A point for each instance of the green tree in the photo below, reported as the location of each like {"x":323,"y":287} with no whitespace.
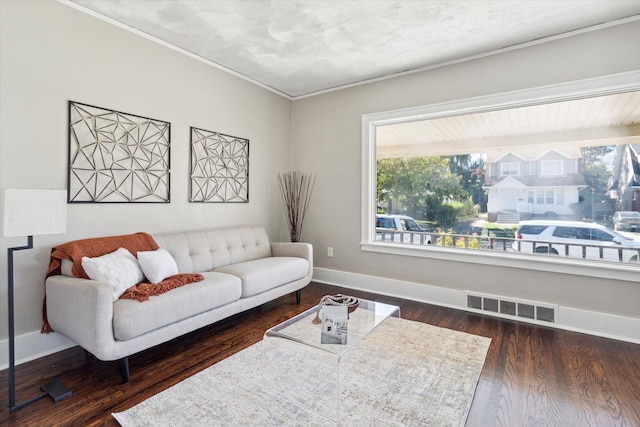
{"x":595,"y":155}
{"x":418,"y":185}
{"x":471,"y":170}
{"x":594,"y":200}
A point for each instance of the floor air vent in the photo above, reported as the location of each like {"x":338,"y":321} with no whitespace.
{"x":514,"y":308}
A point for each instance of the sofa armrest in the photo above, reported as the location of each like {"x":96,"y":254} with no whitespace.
{"x":293,"y":249}
{"x":82,"y":310}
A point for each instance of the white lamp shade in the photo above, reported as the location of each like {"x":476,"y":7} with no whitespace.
{"x":29,"y":212}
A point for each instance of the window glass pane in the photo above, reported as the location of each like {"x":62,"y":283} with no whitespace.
{"x":551,"y":167}
{"x":426,"y":170}
{"x":532,"y":229}
{"x":412,"y":226}
{"x":511,"y":168}
{"x":601,"y":236}
{"x":566,"y":232}
{"x":584,"y":233}
{"x":384,"y":223}
{"x":549,"y":197}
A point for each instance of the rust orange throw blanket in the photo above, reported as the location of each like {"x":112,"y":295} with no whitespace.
{"x":95,"y":247}
{"x":142,"y":291}
{"x":74,"y":251}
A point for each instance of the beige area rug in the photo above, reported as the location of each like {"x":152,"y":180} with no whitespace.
{"x":403,"y":373}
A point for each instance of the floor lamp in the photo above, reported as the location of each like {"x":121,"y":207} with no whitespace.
{"x":29,"y":212}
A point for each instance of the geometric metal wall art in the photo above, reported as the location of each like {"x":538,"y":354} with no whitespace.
{"x":219,"y":167}
{"x":116,"y":157}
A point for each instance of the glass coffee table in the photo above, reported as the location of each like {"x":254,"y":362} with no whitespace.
{"x":364,"y":319}
{"x":300,"y":335}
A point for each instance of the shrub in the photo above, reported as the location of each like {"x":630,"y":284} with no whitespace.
{"x":446,"y":214}
{"x":447,"y":240}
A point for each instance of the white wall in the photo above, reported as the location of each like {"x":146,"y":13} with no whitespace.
{"x":52,"y":53}
{"x":327,"y":140}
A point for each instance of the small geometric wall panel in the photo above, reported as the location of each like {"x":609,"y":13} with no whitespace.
{"x":116,"y":157}
{"x":219,"y":167}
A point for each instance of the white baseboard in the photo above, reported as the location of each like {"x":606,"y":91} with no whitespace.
{"x":33,"y":345}
{"x":568,"y":318}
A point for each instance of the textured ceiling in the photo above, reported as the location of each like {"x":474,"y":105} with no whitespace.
{"x":298,"y":48}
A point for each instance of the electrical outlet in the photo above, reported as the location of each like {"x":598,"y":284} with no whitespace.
{"x":330,"y":252}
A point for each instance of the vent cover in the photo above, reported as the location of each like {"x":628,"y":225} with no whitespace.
{"x":490,"y":304}
{"x":545,"y":313}
{"x":526,"y":310}
{"x":514,"y":308}
{"x":508,"y":307}
{"x":474,"y":302}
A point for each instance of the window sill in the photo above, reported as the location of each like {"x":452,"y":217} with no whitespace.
{"x":603,"y":270}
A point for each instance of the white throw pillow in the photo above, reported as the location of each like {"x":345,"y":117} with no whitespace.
{"x":120,"y":269}
{"x":157,"y":265}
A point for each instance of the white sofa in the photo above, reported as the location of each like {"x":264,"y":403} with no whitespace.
{"x":241,"y":270}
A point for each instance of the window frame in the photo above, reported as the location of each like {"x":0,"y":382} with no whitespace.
{"x":509,"y":167}
{"x":549,"y":197}
{"x":601,"y":86}
{"x":543,"y":163}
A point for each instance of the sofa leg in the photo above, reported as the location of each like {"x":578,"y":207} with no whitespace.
{"x":298,"y":293}
{"x":124,"y":369}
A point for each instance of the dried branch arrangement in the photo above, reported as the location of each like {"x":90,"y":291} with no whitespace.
{"x":296,"y":188}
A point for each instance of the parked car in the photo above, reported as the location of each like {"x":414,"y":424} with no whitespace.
{"x":575,"y":239}
{"x":496,"y":238}
{"x":626,"y":221}
{"x":400,"y":228}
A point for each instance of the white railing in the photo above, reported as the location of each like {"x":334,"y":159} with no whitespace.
{"x":614,"y":252}
{"x":597,"y":251}
{"x":408,"y":237}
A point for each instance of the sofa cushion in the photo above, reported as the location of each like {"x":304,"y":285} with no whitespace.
{"x":267,"y":273}
{"x":132,"y":318}
{"x":198,"y":251}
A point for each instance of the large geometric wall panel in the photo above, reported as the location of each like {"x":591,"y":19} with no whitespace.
{"x":116,"y":157}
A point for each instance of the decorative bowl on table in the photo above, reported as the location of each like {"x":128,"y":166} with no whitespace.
{"x":339,"y":300}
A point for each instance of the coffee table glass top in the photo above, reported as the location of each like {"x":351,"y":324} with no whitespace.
{"x":365,"y":318}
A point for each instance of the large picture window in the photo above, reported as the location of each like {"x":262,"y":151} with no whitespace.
{"x":471,"y":190}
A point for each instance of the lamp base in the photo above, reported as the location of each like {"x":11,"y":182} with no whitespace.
{"x":56,"y":390}
{"x":53,"y":388}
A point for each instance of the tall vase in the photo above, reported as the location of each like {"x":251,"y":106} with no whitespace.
{"x":296,"y":188}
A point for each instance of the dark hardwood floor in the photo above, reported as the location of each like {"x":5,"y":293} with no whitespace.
{"x":533,"y":375}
